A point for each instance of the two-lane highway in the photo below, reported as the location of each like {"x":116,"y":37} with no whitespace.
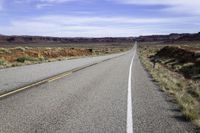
{"x":96,"y":99}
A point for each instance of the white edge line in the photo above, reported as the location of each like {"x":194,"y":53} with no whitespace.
{"x":129,"y":128}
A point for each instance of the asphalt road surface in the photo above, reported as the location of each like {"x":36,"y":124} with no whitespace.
{"x":16,"y":77}
{"x":97,"y":99}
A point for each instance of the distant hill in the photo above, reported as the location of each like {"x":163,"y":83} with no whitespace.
{"x":43,"y":39}
{"x":170,"y":38}
{"x":78,"y":41}
{"x":58,"y":41}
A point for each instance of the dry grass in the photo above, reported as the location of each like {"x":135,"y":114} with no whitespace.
{"x":186,"y":91}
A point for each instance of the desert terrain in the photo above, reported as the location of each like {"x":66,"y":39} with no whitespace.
{"x":18,"y":56}
{"x":176,"y":68}
{"x":164,"y":67}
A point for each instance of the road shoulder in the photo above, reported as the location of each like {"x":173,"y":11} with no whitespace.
{"x":153,"y":110}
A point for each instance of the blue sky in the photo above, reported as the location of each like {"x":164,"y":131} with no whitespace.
{"x":98,"y":18}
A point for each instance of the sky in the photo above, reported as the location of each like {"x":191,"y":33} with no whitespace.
{"x":98,"y":18}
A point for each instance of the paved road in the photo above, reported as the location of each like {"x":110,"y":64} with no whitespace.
{"x":16,"y":77}
{"x":93,"y":100}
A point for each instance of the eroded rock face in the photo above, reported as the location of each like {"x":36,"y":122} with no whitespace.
{"x":183,"y":60}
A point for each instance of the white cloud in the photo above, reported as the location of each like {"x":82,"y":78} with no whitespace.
{"x":1,"y":4}
{"x":153,"y":2}
{"x":62,"y":19}
{"x":56,"y":1}
{"x":44,"y":3}
{"x":87,"y":26}
{"x":180,"y":6}
{"x":47,"y":3}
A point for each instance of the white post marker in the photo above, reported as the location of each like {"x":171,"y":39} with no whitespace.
{"x":129,"y":124}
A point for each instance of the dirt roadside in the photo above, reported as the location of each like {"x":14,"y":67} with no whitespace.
{"x":177,"y":70}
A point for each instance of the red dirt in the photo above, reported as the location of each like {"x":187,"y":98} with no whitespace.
{"x":13,"y":53}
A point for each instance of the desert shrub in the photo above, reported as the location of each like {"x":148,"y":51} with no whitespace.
{"x":25,"y":58}
{"x":27,"y":48}
{"x":90,"y":50}
{"x":41,"y":58}
{"x":20,"y":48}
{"x":198,"y":59}
{"x":190,"y":71}
{"x":2,"y":62}
{"x":4,"y":50}
{"x":187,"y":105}
{"x":48,"y":48}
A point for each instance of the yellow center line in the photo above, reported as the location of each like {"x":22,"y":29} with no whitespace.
{"x":59,"y":77}
{"x":34,"y":84}
{"x":21,"y":89}
{"x":48,"y":80}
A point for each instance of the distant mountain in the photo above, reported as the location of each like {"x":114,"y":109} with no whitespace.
{"x":65,"y":41}
{"x":170,"y":38}
{"x":40,"y":39}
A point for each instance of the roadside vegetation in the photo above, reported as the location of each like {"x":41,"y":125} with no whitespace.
{"x":11,"y":57}
{"x":177,"y":70}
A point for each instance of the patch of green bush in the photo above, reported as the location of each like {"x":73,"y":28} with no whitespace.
{"x":2,"y":62}
{"x":26,"y":58}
